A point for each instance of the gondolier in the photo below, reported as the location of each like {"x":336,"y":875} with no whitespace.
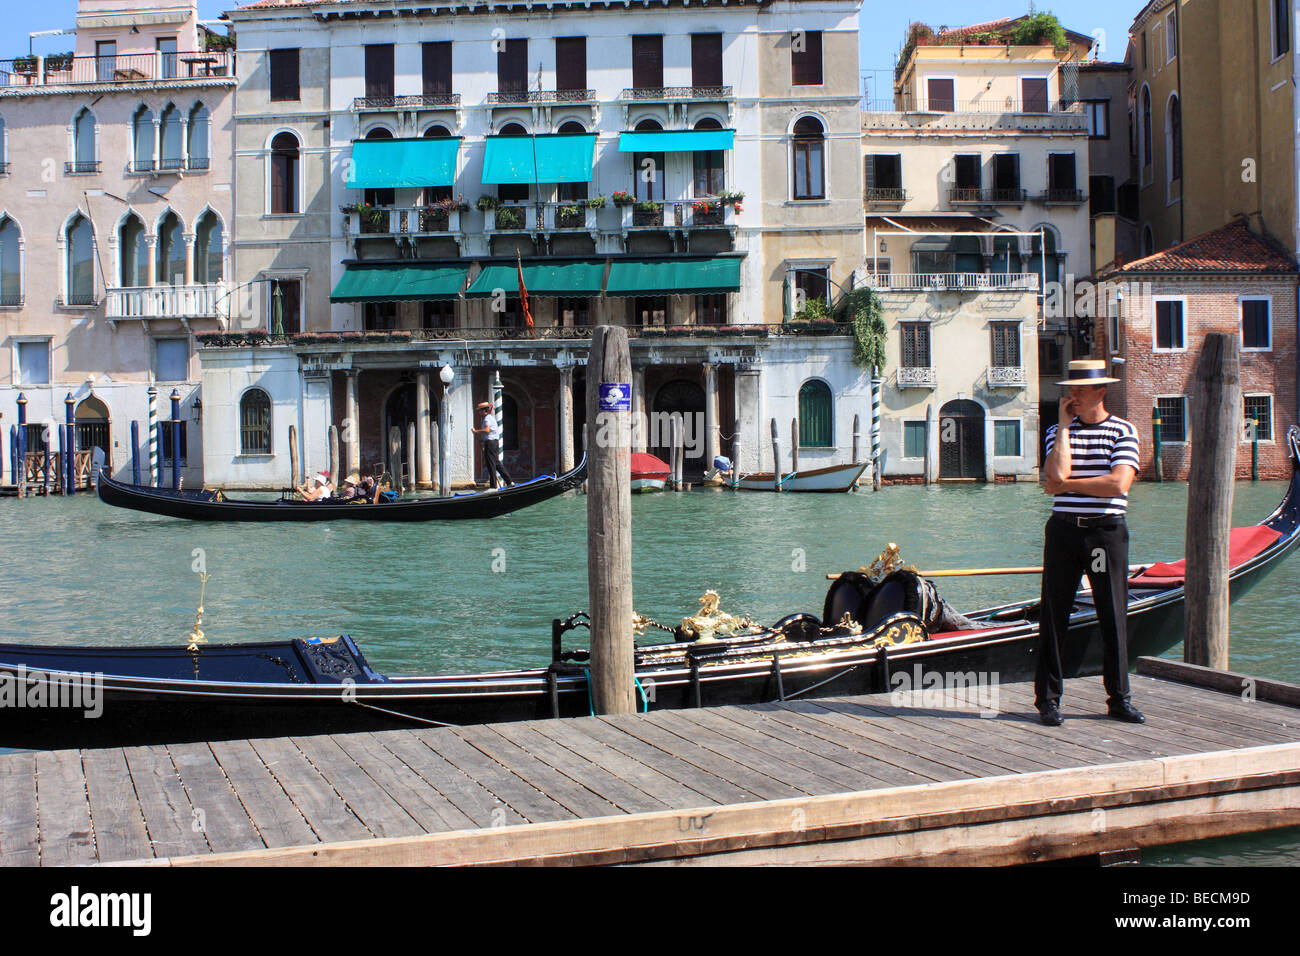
{"x":1092,"y":460}
{"x":491,"y":434}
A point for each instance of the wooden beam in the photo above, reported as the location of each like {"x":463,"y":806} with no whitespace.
{"x":1229,"y":682}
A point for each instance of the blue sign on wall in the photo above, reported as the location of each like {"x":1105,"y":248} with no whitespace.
{"x":615,"y":397}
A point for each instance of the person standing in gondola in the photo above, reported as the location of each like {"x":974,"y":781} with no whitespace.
{"x":491,"y":435}
{"x":1092,"y":461}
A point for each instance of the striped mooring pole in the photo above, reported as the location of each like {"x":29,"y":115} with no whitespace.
{"x":70,"y":416}
{"x":496,"y":413}
{"x":875,"y":429}
{"x":1155,"y":443}
{"x":155,"y":477}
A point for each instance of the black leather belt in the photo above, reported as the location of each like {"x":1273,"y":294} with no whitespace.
{"x":1089,"y":521}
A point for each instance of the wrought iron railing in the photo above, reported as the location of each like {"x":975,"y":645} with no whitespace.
{"x":1007,"y":376}
{"x":889,"y":194}
{"x":955,"y":281}
{"x":662,"y":94}
{"x":82,"y":167}
{"x":418,"y":101}
{"x":994,"y":197}
{"x":1064,"y":196}
{"x":506,"y":97}
{"x":128,"y":68}
{"x":917,"y":377}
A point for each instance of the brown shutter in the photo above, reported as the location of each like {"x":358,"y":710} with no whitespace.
{"x":706,"y":59}
{"x":570,"y":63}
{"x":806,"y":64}
{"x":648,"y":62}
{"x":512,"y":67}
{"x":379,"y":71}
{"x":284,"y":74}
{"x":1033,"y":91}
{"x":437,"y":68}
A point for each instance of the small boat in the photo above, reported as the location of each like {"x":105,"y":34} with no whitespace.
{"x":833,"y":478}
{"x":175,"y":693}
{"x":648,"y":472}
{"x":214,"y":506}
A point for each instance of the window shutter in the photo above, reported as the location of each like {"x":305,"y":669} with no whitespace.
{"x":379,"y":70}
{"x":706,"y":59}
{"x":869,"y":171}
{"x":571,"y":63}
{"x":648,"y":62}
{"x":437,"y":68}
{"x":512,"y":67}
{"x":806,"y":64}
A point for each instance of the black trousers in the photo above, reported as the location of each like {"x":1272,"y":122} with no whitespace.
{"x":494,"y":464}
{"x":1069,"y":552}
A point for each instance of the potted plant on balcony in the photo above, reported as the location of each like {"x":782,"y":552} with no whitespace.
{"x":706,"y":211}
{"x":58,"y":63}
{"x":435,"y":216}
{"x":622,"y":198}
{"x":647,"y":213}
{"x":1040,"y":29}
{"x":510,"y":217}
{"x":487,"y":203}
{"x":570,"y":217}
{"x":595,"y":202}
{"x":24,"y":64}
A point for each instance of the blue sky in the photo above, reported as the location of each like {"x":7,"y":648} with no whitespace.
{"x":882,"y":22}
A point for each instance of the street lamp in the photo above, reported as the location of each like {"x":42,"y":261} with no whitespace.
{"x":446,"y":374}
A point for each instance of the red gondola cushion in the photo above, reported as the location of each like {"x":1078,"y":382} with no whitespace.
{"x":1243,"y":544}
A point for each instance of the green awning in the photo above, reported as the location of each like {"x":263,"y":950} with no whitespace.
{"x":676,"y":140}
{"x":673,"y":276}
{"x":576,"y":279}
{"x":548,"y":158}
{"x":399,"y":282}
{"x":399,"y":163}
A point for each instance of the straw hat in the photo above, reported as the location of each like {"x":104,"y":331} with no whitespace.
{"x":483,"y":405}
{"x":1088,"y":372}
{"x":352,"y":479}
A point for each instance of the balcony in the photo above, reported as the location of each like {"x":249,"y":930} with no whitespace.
{"x":1007,"y":377}
{"x":965,"y":196}
{"x":904,"y":114}
{"x":82,"y":167}
{"x":954,"y":282}
{"x":180,"y":302}
{"x":917,"y":378}
{"x":884,"y":196}
{"x":515,"y":218}
{"x":677,"y":99}
{"x":420,"y":101}
{"x":403,"y":221}
{"x":126,"y":69}
{"x":1063,"y":197}
{"x":539,"y":97}
{"x":678,"y":214}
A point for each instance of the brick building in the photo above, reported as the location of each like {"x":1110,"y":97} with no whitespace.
{"x":1231,"y":279}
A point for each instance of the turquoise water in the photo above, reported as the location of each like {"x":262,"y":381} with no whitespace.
{"x":481,"y":595}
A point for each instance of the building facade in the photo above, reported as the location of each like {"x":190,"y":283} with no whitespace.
{"x":400,"y":166}
{"x":115,"y":209}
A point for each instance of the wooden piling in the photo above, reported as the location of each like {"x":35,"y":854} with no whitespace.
{"x":794,"y":444}
{"x":776,"y":459}
{"x":293,"y":456}
{"x":395,"y":457}
{"x":609,"y":527}
{"x":1216,"y":428}
{"x":334,"y":455}
{"x":857,"y":436}
{"x":411,"y":471}
{"x":135,"y":452}
{"x":735,"y":453}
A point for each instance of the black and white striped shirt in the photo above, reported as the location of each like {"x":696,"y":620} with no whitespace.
{"x":1094,"y":451}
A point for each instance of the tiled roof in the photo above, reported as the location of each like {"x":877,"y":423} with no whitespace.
{"x":988,"y":27}
{"x":1230,"y":248}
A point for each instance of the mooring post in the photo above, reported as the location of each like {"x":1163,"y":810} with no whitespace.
{"x":411,"y":453}
{"x":135,"y":453}
{"x":1216,"y":428}
{"x":857,"y":436}
{"x":776,"y":459}
{"x":68,"y":403}
{"x":20,"y":472}
{"x":293,"y":457}
{"x":334,"y":454}
{"x":875,"y":429}
{"x":47,"y":461}
{"x":794,"y":445}
{"x":155,"y":476}
{"x":609,"y":521}
{"x":176,"y":439}
{"x":735,"y":453}
{"x":674,"y":437}
{"x":395,"y":457}
{"x":1158,"y":456}
{"x":1254,"y":449}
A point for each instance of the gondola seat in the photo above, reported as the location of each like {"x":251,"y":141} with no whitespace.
{"x":1243,"y":544}
{"x":868,"y":604}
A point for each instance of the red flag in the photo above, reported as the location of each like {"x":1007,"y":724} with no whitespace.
{"x":523,"y":295}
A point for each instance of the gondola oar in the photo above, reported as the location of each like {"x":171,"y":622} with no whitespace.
{"x":983,"y":572}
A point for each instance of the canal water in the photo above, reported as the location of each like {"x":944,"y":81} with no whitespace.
{"x":429,"y":598}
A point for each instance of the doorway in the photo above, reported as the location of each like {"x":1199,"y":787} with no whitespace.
{"x":961,"y":441}
{"x":684,"y":397}
{"x":399,"y":413}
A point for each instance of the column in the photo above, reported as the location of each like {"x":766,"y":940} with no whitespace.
{"x":157,"y":140}
{"x":566,"y":419}
{"x":185,"y":142}
{"x":710,"y":414}
{"x":352,"y":423}
{"x":151,"y":267}
{"x":753,"y":436}
{"x":640,"y":424}
{"x":189,"y":259}
{"x":423,"y":447}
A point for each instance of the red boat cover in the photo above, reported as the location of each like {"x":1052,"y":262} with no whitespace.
{"x":648,"y":466}
{"x":1243,"y":544}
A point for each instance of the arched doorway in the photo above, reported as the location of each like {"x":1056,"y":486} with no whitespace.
{"x":399,"y":413}
{"x":92,"y":425}
{"x":684,"y":397}
{"x":961,"y":440}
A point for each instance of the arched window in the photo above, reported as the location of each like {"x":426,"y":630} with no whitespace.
{"x":142,"y":140}
{"x":85,"y":153}
{"x":199,"y":135}
{"x":208,"y":242}
{"x":433,"y":194}
{"x":255,"y":423}
{"x":1174,"y":142}
{"x":1045,"y":261}
{"x":1148,"y":242}
{"x":809,"y":159}
{"x":815,"y":415}
{"x":285,"y":163}
{"x":435,"y":131}
{"x":133,"y":252}
{"x":11,"y":263}
{"x":172,"y":157}
{"x":648,"y":168}
{"x":1146,"y":127}
{"x":571,"y":192}
{"x":1006,"y":255}
{"x":379,"y":197}
{"x":512,"y":192}
{"x":80,"y":277}
{"x":171,"y":251}
{"x":709,"y":177}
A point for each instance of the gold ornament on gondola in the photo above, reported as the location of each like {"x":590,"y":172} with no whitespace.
{"x":711,"y":623}
{"x":890,"y":560}
{"x":196,"y":635}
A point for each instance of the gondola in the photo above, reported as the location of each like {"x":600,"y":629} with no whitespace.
{"x":214,"y":506}
{"x":210,"y":692}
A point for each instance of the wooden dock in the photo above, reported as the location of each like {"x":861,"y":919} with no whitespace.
{"x":841,"y":780}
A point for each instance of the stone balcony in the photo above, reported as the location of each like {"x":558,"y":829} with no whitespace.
{"x":1007,"y":377}
{"x":953,"y":282}
{"x":403,"y":222}
{"x":916,"y":377}
{"x":973,"y":116}
{"x":178,"y":302}
{"x":134,"y":68}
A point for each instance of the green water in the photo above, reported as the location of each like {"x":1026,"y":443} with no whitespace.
{"x":481,"y":595}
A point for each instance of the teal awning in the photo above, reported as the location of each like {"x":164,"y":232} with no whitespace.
{"x":398,"y":163}
{"x":576,"y":279}
{"x":676,"y":140}
{"x":547,"y":158}
{"x":673,"y":276}
{"x":395,"y":282}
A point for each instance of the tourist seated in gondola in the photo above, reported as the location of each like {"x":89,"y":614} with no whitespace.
{"x":320,"y":489}
{"x":351,"y":490}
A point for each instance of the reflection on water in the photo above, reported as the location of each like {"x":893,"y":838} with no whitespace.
{"x":426,"y":597}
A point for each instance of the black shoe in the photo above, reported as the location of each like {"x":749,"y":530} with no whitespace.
{"x":1126,"y":712}
{"x":1051,"y":716}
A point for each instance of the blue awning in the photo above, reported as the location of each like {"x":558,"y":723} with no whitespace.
{"x":676,"y":140}
{"x":399,"y":163}
{"x":547,"y":158}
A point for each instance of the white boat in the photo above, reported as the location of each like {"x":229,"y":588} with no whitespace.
{"x":648,"y":473}
{"x":833,"y":478}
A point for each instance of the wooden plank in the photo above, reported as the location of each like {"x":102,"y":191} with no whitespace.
{"x":220,"y":815}
{"x":647,"y":779}
{"x":1250,"y":715}
{"x":62,"y":810}
{"x":431,"y":810}
{"x":19,"y":840}
{"x":370,"y":803}
{"x":273,"y":814}
{"x":115,"y":813}
{"x":324,"y":810}
{"x":511,"y":789}
{"x":471,"y":798}
{"x":1228,"y":682}
{"x":169,"y":816}
{"x":577,"y":798}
